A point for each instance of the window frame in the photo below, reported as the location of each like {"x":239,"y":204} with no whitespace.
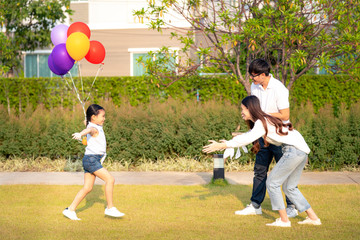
{"x":133,"y":51}
{"x":38,"y":53}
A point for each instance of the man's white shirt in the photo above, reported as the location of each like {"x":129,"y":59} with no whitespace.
{"x":272,"y":99}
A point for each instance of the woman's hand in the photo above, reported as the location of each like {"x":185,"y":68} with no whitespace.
{"x":214,"y":146}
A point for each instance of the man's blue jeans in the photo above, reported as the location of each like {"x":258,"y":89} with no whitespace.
{"x":262,"y":163}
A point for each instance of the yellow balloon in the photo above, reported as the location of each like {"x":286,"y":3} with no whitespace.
{"x":77,"y":45}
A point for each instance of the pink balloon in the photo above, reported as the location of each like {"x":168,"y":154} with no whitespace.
{"x":59,"y":34}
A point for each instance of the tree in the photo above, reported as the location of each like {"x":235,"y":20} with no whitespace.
{"x":295,"y":36}
{"x":25,"y":26}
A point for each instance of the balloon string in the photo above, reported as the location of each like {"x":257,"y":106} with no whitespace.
{"x":66,"y":82}
{"x":78,"y":95}
{"x":97,"y":73}
{"x":81,"y":80}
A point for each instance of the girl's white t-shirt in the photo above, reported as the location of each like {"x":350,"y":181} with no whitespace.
{"x":96,"y":145}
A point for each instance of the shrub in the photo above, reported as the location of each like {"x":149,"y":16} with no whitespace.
{"x":173,"y":129}
{"x":334,"y":141}
{"x":19,"y":93}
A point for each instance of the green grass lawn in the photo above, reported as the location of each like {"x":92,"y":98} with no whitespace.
{"x":171,"y":212}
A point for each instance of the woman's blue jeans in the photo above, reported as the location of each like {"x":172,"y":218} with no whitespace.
{"x":287,"y":173}
{"x":262,"y":162}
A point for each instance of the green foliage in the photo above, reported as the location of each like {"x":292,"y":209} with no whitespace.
{"x":325,"y":89}
{"x":161,"y":130}
{"x":23,"y":92}
{"x":38,"y":133}
{"x":173,"y":129}
{"x":20,"y":93}
{"x":334,"y":141}
{"x":27,"y":26}
{"x":7,"y":55}
{"x":219,"y":182}
{"x":168,"y":129}
{"x":225,"y":36}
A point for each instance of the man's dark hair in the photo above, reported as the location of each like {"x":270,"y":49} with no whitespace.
{"x":259,"y":66}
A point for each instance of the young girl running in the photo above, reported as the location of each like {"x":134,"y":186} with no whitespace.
{"x":287,"y":171}
{"x":95,"y":153}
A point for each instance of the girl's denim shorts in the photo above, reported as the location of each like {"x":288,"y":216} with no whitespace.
{"x":91,"y":163}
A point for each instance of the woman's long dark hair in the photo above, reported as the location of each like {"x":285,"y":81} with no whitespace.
{"x":93,"y":109}
{"x":252,"y":103}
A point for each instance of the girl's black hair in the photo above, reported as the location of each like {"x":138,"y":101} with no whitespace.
{"x":259,"y":66}
{"x":252,"y":103}
{"x":93,"y":109}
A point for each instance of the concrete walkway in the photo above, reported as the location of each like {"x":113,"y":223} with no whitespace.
{"x":168,"y":178}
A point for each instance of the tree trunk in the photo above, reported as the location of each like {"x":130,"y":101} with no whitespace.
{"x":247,"y":86}
{"x":7,"y":98}
{"x":20,"y":106}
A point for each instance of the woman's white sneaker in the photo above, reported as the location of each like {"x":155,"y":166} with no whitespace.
{"x":70,"y":214}
{"x":249,"y":210}
{"x":113,"y":212}
{"x":279,"y":223}
{"x":310,"y":221}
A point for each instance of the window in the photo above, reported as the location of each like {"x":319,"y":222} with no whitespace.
{"x":138,"y":69}
{"x":36,"y":65}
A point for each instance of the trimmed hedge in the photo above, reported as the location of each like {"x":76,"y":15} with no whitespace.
{"x":22,"y":92}
{"x":326,"y":89}
{"x":173,"y":129}
{"x":51,"y":93}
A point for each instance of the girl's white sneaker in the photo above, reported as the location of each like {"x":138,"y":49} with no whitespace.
{"x":279,"y":223}
{"x":311,"y":222}
{"x":113,"y":212}
{"x":70,"y":214}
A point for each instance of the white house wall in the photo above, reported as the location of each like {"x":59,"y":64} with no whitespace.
{"x":118,"y":14}
{"x":111,"y":22}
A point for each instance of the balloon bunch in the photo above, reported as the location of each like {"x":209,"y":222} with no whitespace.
{"x":73,"y":44}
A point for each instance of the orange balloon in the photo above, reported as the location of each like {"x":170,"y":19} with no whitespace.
{"x":77,"y":45}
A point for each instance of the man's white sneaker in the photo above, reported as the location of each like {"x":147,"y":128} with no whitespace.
{"x":291,"y":212}
{"x":249,"y":210}
{"x":113,"y":212}
{"x":311,"y":222}
{"x":279,"y":223}
{"x":70,"y":214}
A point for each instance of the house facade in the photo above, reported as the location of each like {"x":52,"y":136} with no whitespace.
{"x":124,"y":37}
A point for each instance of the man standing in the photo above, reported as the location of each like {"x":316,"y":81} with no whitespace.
{"x":274,"y":100}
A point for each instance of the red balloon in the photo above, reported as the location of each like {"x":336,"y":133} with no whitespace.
{"x":96,"y":53}
{"x":79,"y":27}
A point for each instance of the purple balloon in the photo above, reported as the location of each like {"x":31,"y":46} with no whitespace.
{"x":53,"y":68}
{"x":61,"y":59}
{"x":59,"y":34}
